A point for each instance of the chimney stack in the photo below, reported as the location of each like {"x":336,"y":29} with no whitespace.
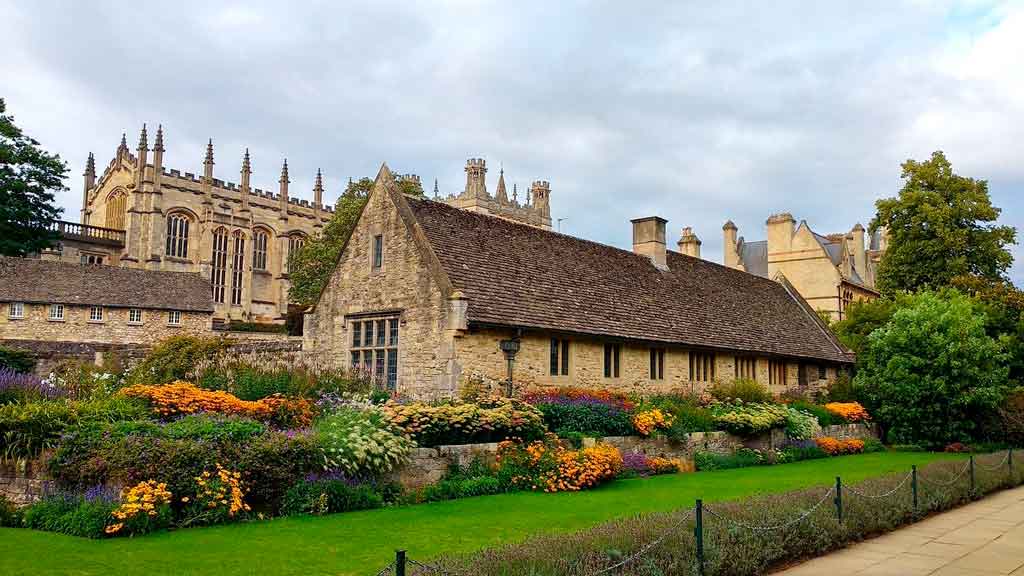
{"x":689,"y":244}
{"x":780,"y":232}
{"x":731,"y":257}
{"x":860,"y":258}
{"x":649,"y":240}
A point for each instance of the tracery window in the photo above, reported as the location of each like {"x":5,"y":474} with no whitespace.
{"x":237,"y":266}
{"x":259,"y":249}
{"x":117,"y":205}
{"x":294,"y":245}
{"x":220,"y":263}
{"x":177,"y":236}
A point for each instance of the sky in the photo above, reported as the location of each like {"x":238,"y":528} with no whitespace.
{"x":694,"y":113}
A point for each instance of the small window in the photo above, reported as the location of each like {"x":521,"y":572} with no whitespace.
{"x":56,"y":311}
{"x":91,"y":258}
{"x":378,"y":251}
{"x":174,"y":317}
{"x":801,"y":374}
{"x":777,"y":372}
{"x":16,"y":310}
{"x":657,"y":363}
{"x":702,"y":367}
{"x":612,"y":353}
{"x":96,"y":314}
{"x":135,"y":316}
{"x":559,"y":357}
{"x":746,"y":368}
{"x":822,"y":372}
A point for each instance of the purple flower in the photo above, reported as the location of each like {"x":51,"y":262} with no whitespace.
{"x":16,"y":385}
{"x":635,"y":461}
{"x":101,"y":493}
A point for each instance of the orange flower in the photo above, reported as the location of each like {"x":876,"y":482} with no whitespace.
{"x":849,"y":411}
{"x":179,"y":398}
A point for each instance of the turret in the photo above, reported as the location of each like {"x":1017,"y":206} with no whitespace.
{"x":208,"y":174}
{"x":476,"y":178}
{"x":283,"y":181}
{"x":318,"y":192}
{"x":89,"y":180}
{"x":246,"y":173}
{"x":541,"y":193}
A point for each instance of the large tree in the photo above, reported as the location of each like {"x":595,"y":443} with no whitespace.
{"x":29,"y":176}
{"x":940,"y":226}
{"x":310,"y":268}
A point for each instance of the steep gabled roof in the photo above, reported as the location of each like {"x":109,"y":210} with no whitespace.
{"x":521,"y":276}
{"x":754,"y":256}
{"x":46,"y":282}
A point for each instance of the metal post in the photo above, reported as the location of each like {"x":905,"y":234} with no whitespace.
{"x":972,"y":475}
{"x":399,"y":562}
{"x":839,"y":499}
{"x":698,"y":534}
{"x":913,"y":484}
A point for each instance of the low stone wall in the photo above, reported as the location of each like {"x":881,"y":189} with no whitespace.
{"x":23,"y":482}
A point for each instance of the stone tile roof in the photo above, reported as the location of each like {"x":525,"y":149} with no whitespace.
{"x":42,"y":281}
{"x":518,"y":275}
{"x":754,"y":256}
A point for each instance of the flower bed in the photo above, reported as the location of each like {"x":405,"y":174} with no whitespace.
{"x":178,"y":398}
{"x":544,"y":465}
{"x":488,"y":420}
{"x":848,"y":411}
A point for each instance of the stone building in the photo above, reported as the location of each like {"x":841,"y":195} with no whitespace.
{"x":425,"y":295}
{"x":139,"y":214}
{"x":829,"y":271}
{"x":534,"y":210}
{"x":69,"y":302}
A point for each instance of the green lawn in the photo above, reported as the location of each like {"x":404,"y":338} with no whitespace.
{"x":363,"y":542}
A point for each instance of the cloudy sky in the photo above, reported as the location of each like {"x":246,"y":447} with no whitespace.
{"x":695,"y":114}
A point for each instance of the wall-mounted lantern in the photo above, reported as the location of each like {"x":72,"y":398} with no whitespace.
{"x":510,"y":348}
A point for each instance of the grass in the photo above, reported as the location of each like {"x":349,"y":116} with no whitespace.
{"x":363,"y":542}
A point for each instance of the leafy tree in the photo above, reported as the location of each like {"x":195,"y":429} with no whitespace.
{"x":939,"y":228}
{"x":1003,"y":304}
{"x":931,"y":374}
{"x":311,"y":267}
{"x":28,"y":177}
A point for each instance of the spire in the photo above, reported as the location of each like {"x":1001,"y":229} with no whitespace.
{"x":436,"y":194}
{"x":246,"y":171}
{"x":283,"y":215}
{"x":284,"y":173}
{"x":122,"y":149}
{"x":515,"y":193}
{"x":209,"y":153}
{"x":90,"y":166}
{"x":501,"y":194}
{"x":143,"y":139}
{"x":246,"y":166}
{"x":158,"y":145}
{"x":318,"y":190}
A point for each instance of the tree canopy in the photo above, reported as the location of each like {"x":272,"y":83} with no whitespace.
{"x":28,"y":178}
{"x":940,"y":226}
{"x":311,"y":267}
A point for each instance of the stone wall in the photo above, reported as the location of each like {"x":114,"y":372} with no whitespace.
{"x":114,"y":328}
{"x":22,"y":483}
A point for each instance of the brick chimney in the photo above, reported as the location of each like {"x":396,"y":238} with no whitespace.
{"x":649,"y":240}
{"x":689,"y":244}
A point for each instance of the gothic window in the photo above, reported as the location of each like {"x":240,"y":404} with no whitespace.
{"x":294,"y":245}
{"x":746,"y":367}
{"x":237,"y":266}
{"x":177,"y":236}
{"x":260,"y":239}
{"x":612,"y":354}
{"x":220,"y":264}
{"x":702,"y":367}
{"x":374,"y":351}
{"x":117,"y":205}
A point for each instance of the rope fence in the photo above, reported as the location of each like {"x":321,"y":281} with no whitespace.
{"x":405,"y":566}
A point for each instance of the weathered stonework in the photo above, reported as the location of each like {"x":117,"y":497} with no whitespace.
{"x":23,"y":482}
{"x":115,"y":327}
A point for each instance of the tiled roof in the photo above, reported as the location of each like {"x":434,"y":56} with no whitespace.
{"x":44,"y":281}
{"x":518,"y":275}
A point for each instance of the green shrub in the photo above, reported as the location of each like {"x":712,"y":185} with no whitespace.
{"x":873,"y":445}
{"x":454,"y":488}
{"x":749,"y":419}
{"x":17,"y":360}
{"x":588,"y":419}
{"x":798,"y":452}
{"x":28,"y":429}
{"x":742,"y":458}
{"x":688,"y":415}
{"x":362,"y":442}
{"x":70,"y":514}
{"x":10,"y":514}
{"x":215,"y":427}
{"x":487,"y":420}
{"x":931,"y":374}
{"x":330,"y":494}
{"x":175,"y":357}
{"x":273,"y":462}
{"x":825,"y":418}
{"x":264,"y":327}
{"x":744,"y":389}
{"x":801,"y":425}
{"x":842,"y":389}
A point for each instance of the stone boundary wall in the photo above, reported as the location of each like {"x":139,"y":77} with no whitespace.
{"x":49,"y":354}
{"x":23,"y":482}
